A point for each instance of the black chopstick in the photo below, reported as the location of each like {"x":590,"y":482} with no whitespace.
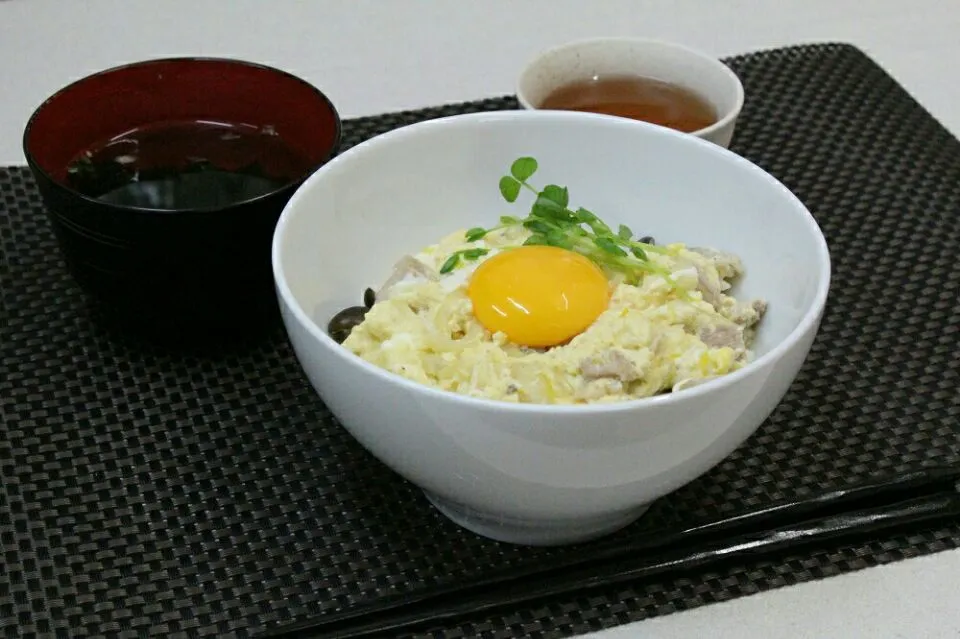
{"x":922,"y":497}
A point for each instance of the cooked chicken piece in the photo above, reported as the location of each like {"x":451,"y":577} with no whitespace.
{"x":727,"y":264}
{"x":747,"y":314}
{"x":407,"y":268}
{"x":710,"y":286}
{"x":612,"y":363}
{"x":724,"y":335}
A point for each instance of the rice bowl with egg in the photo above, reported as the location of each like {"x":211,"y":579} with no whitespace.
{"x":506,"y":314}
{"x":536,"y":473}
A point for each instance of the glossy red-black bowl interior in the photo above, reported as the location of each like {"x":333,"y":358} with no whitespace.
{"x":185,"y":270}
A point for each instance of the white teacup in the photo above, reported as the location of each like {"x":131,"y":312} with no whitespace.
{"x":584,"y":60}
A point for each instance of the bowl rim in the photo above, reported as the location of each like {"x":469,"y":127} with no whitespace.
{"x":324,"y":99}
{"x":722,"y":69}
{"x":809,"y":320}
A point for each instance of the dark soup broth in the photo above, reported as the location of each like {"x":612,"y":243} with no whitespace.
{"x":196,"y":164}
{"x":638,"y":98}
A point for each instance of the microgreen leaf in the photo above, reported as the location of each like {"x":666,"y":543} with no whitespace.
{"x":583,"y":215}
{"x":523,"y":168}
{"x":638,"y":253}
{"x":624,"y":232}
{"x":558,"y":194}
{"x":599,"y":227}
{"x":509,"y":220}
{"x":450,"y":264}
{"x":608,"y":245}
{"x":557,"y":238}
{"x":539,"y":226}
{"x":535,"y":240}
{"x":546,"y":208}
{"x":475,"y":234}
{"x":473,"y":254}
{"x":509,"y":188}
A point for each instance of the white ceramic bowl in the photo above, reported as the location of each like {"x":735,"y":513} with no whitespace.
{"x":583,"y":60}
{"x":538,"y":474}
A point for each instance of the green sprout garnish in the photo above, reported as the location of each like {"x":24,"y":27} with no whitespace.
{"x":470,"y":255}
{"x":552,"y":223}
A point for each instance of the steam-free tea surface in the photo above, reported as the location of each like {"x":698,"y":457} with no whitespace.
{"x":638,"y":98}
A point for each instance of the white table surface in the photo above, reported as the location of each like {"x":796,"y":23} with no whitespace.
{"x":372,"y":56}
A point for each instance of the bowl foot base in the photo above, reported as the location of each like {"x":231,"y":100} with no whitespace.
{"x":534,"y":532}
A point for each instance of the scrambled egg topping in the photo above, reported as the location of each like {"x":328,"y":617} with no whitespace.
{"x":649,"y":340}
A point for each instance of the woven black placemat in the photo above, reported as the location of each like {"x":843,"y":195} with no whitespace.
{"x":146,"y":493}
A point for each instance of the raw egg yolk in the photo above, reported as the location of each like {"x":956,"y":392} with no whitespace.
{"x":538,"y":295}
